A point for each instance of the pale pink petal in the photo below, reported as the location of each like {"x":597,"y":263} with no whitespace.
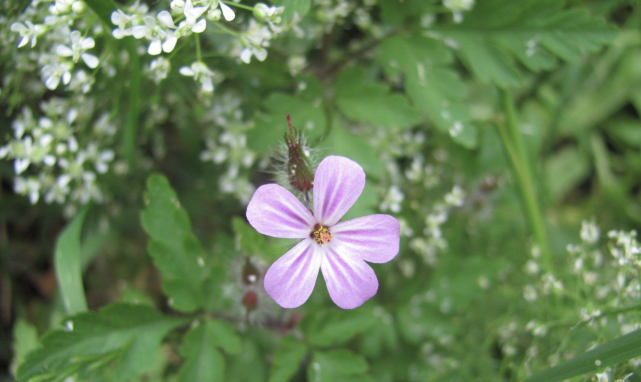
{"x":337,"y":184}
{"x":290,"y":280}
{"x":373,"y":238}
{"x":350,"y":281}
{"x":274,"y":211}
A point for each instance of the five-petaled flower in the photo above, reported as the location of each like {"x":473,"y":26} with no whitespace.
{"x":338,"y":249}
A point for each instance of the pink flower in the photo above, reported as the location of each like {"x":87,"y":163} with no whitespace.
{"x":339,"y":250}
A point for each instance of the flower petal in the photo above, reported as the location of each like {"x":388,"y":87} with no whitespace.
{"x":339,"y":181}
{"x":373,"y":238}
{"x":274,"y":211}
{"x":290,"y":280}
{"x":350,"y":281}
{"x":228,"y":13}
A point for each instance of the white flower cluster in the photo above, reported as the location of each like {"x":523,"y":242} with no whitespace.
{"x":163,"y":33}
{"x":433,"y":241}
{"x":161,"y":30}
{"x":48,"y":159}
{"x":62,"y":47}
{"x":229,"y":146}
{"x":626,"y":251}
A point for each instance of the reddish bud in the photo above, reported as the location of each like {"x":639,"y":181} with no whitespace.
{"x":301,"y":177}
{"x":250,"y":301}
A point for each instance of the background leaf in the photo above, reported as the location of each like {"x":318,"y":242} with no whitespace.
{"x":287,"y":359}
{"x":68,"y":267}
{"x":434,"y":88}
{"x":336,"y":365}
{"x":614,"y":352}
{"x":174,"y":249}
{"x":134,"y":331}
{"x":364,"y":100}
{"x":533,"y":31}
{"x":203,"y":360}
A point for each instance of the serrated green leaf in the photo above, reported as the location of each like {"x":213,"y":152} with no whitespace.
{"x":335,"y":365}
{"x":89,"y":338}
{"x":68,"y":268}
{"x":336,"y":328}
{"x":372,"y":102}
{"x":564,"y":170}
{"x":611,"y":353}
{"x":433,"y":87}
{"x":203,"y":361}
{"x":271,"y":125}
{"x":175,"y":250}
{"x":533,"y":31}
{"x":294,"y":8}
{"x":287,"y":359}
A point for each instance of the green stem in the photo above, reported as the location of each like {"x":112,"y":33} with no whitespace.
{"x":198,"y":55}
{"x":227,"y":30}
{"x":237,"y":5}
{"x":515,"y":150}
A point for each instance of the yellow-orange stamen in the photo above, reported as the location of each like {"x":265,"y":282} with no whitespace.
{"x":321,"y":234}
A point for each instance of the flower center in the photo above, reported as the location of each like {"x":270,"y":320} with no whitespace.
{"x":321,"y":234}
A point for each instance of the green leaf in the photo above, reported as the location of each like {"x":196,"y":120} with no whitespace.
{"x":203,"y":360}
{"x":67,"y":265}
{"x":434,"y":88}
{"x":336,"y":328}
{"x":225,"y":336}
{"x":133,"y":332}
{"x":271,"y":125}
{"x":609,"y":354}
{"x":293,"y":8}
{"x":174,"y":249}
{"x":238,"y":365}
{"x":533,"y":31}
{"x":342,"y":142}
{"x":565,"y":170}
{"x":335,"y":365}
{"x":287,"y":359}
{"x":366,"y":101}
{"x":253,"y":243}
{"x":25,"y":339}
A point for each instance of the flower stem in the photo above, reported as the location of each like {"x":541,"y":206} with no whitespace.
{"x":238,"y":5}
{"x":513,"y":144}
{"x":198,"y":55}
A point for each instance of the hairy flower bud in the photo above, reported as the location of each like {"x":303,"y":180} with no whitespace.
{"x":301,"y":176}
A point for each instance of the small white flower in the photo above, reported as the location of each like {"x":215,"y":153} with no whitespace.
{"x":152,"y":31}
{"x":201,"y":73}
{"x":122,"y":20}
{"x":77,"y":50}
{"x":158,"y":69}
{"x":30,"y":186}
{"x":54,"y":72}
{"x":28,"y":31}
{"x":255,"y":40}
